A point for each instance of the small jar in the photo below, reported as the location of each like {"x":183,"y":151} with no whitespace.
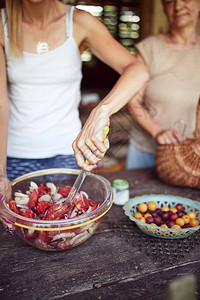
{"x":120,"y":189}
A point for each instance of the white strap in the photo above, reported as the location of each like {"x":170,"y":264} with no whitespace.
{"x":69,"y":20}
{"x":5,"y":24}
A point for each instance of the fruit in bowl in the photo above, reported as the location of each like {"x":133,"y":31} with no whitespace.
{"x":164,"y":216}
{"x":173,"y":217}
{"x":37,"y":212}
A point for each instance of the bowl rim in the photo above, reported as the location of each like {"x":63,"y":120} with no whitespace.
{"x":132,"y":218}
{"x":79,"y":221}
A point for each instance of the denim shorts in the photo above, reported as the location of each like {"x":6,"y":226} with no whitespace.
{"x":20,"y":166}
{"x":137,"y":159}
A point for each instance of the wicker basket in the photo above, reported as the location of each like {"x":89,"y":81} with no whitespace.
{"x":179,"y":164}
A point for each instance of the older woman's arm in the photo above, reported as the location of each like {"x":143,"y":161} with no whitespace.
{"x":141,"y":116}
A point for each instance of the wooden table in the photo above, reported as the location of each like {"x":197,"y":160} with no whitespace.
{"x":117,"y":262}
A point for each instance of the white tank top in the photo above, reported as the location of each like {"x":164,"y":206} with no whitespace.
{"x":44,"y":94}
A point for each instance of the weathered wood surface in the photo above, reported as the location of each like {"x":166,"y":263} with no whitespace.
{"x":117,"y":262}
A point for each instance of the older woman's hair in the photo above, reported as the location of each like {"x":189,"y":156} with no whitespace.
{"x":15,"y":10}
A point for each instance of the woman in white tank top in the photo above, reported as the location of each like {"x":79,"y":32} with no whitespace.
{"x":41,"y":76}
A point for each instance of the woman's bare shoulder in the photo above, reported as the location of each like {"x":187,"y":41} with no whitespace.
{"x":84,"y":18}
{"x":84,"y":23}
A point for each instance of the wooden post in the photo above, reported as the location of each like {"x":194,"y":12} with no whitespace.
{"x":146,"y":10}
{"x":2,"y":3}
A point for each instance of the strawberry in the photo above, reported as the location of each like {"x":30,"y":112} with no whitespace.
{"x":27,"y":213}
{"x":42,"y":206}
{"x":13,"y":206}
{"x":33,"y":199}
{"x":65,"y":191}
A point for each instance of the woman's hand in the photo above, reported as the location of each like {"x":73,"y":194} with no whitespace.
{"x":169,"y":136}
{"x":88,"y":144}
{"x":5,"y":189}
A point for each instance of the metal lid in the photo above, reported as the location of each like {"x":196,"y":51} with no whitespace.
{"x":120,"y":184}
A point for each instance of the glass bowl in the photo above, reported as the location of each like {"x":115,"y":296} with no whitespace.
{"x":131,"y":207}
{"x":57,"y":235}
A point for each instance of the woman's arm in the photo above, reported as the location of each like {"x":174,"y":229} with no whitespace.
{"x":133,"y":76}
{"x":4,"y":114}
{"x":141,"y":116}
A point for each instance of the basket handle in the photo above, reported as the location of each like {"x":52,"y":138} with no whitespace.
{"x":197,"y":130}
{"x":183,"y":124}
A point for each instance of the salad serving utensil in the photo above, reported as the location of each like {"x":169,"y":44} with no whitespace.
{"x":80,"y":178}
{"x":77,"y":185}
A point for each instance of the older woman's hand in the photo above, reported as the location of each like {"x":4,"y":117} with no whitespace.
{"x":88,"y":144}
{"x":169,"y":136}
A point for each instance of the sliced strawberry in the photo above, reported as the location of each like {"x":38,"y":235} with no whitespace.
{"x":43,"y":190}
{"x":85,"y":200}
{"x":42,"y":206}
{"x":65,"y":191}
{"x":45,"y":237}
{"x":13,"y":206}
{"x":33,"y":199}
{"x":31,"y":234}
{"x":51,"y":211}
{"x":79,"y":203}
{"x":93,"y":204}
{"x":82,"y":203}
{"x":27,"y":213}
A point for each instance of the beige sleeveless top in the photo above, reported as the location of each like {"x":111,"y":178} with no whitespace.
{"x":173,"y":91}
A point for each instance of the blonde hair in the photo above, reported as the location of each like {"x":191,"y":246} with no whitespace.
{"x":14,"y":11}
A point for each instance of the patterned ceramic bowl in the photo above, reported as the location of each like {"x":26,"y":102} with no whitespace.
{"x":131,"y":207}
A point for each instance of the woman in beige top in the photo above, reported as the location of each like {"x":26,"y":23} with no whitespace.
{"x":164,"y":111}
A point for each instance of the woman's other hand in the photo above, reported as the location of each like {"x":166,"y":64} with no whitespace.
{"x":169,"y":136}
{"x":88,"y":144}
{"x":5,"y":189}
